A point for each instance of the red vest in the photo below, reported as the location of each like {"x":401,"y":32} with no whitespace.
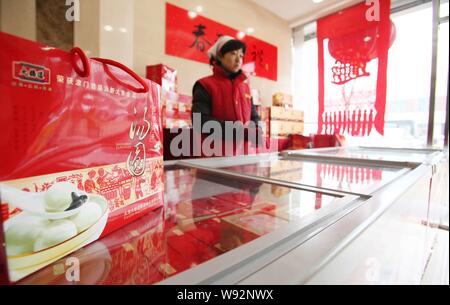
{"x":230,"y":99}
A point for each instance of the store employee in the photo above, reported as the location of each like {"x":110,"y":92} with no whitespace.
{"x":225,"y":95}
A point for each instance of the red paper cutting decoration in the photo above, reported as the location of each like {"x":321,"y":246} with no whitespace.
{"x":353,"y":55}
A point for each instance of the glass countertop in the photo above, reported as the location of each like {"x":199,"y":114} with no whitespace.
{"x":204,"y":216}
{"x":335,"y":176}
{"x":370,"y":153}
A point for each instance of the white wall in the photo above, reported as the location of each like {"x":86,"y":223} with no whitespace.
{"x":18,"y":18}
{"x":149,"y":41}
{"x":136,"y":35}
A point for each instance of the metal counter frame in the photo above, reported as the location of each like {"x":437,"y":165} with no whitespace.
{"x":297,"y":251}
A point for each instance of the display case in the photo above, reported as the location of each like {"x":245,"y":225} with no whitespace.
{"x":291,"y":218}
{"x":329,"y":174}
{"x":407,"y":157}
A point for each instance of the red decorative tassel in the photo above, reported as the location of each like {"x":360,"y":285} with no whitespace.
{"x":336,"y":123}
{"x":359,"y":122}
{"x":347,"y":122}
{"x":353,"y":122}
{"x":331,"y":123}
{"x":364,"y":123}
{"x":370,"y":123}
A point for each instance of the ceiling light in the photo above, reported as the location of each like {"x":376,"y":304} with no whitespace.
{"x":192,"y":14}
{"x":317,"y":1}
{"x":123,"y":30}
{"x":250,"y":30}
{"x":108,"y":28}
{"x":240,"y":35}
{"x":199,"y":9}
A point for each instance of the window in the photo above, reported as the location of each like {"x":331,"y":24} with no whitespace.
{"x":441,"y":79}
{"x":408,"y":84}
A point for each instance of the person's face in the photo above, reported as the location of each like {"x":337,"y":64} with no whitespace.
{"x":232,"y":61}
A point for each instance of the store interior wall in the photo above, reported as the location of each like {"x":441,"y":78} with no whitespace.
{"x":52,"y":26}
{"x":18,"y":18}
{"x":133,"y":32}
{"x":149,"y":42}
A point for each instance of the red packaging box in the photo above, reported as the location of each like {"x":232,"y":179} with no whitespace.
{"x":81,"y":152}
{"x":185,"y":99}
{"x":163,"y":75}
{"x":207,"y":231}
{"x":186,"y":251}
{"x":242,"y":228}
{"x":217,"y":206}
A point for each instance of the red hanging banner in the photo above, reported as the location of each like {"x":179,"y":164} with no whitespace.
{"x":190,"y":36}
{"x":353,"y":47}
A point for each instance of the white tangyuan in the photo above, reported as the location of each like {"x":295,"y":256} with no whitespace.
{"x":59,"y":196}
{"x":21,"y":236}
{"x":56,"y":232}
{"x":88,"y":215}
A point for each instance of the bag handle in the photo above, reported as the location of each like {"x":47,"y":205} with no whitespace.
{"x":116,"y":64}
{"x":84,"y":60}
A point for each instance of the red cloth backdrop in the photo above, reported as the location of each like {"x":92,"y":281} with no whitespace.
{"x":353,"y":57}
{"x":191,"y":38}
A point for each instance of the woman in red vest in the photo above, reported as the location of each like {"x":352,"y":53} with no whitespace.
{"x":225,"y":96}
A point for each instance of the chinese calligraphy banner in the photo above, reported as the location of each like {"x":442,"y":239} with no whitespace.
{"x":353,"y":50}
{"x":191,"y":37}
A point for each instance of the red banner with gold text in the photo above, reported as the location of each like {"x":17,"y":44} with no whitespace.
{"x":190,"y":36}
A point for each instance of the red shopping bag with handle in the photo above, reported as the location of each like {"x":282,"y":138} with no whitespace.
{"x":80,"y":150}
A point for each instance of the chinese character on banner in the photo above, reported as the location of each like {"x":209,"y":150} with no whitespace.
{"x":352,"y":64}
{"x":200,"y":42}
{"x":191,"y":37}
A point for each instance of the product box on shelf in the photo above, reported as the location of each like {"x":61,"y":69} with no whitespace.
{"x":282,"y":99}
{"x":176,"y":110}
{"x":164,"y":76}
{"x":286,"y":114}
{"x":81,"y":152}
{"x":285,"y":128}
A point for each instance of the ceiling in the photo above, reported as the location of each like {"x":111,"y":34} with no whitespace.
{"x":298,"y":12}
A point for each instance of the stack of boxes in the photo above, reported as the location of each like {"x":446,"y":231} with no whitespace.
{"x":280,"y":121}
{"x":285,"y":121}
{"x":176,"y":108}
{"x":282,"y":100}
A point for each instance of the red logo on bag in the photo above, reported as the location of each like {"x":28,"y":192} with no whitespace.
{"x":31,"y":73}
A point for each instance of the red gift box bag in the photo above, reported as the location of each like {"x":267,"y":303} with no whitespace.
{"x":80,"y":149}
